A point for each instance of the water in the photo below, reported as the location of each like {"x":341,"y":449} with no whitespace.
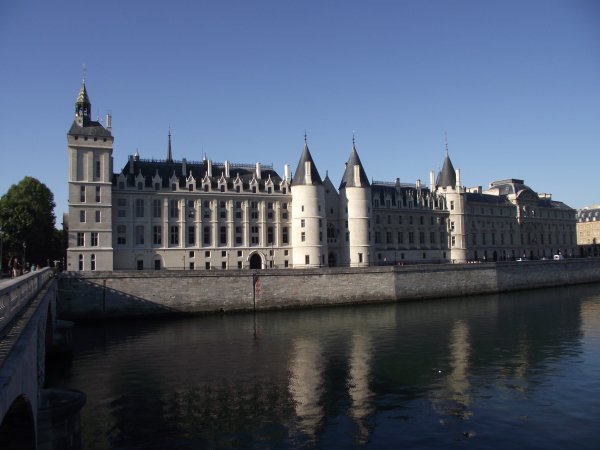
{"x":519,"y":370}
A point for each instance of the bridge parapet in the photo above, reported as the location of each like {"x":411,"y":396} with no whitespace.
{"x":17,"y":292}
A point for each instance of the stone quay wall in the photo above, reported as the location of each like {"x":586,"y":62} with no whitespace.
{"x":90,"y":295}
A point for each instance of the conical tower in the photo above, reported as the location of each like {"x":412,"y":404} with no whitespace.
{"x":355,"y":210}
{"x":308,"y":214}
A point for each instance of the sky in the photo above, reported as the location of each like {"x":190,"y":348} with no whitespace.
{"x":513,"y":86}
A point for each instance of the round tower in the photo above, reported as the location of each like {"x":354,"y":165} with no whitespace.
{"x":355,"y":210}
{"x":308,"y":214}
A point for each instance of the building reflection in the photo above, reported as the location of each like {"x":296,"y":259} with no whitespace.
{"x":358,"y":387}
{"x":306,"y":383}
{"x":458,"y":379}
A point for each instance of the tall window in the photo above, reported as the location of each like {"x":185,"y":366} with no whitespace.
{"x":174,"y":235}
{"x":139,"y":207}
{"x":307,"y":259}
{"x":80,"y":262}
{"x":97,"y":216}
{"x":223,"y":235}
{"x":269,"y":235}
{"x":191,"y":235}
{"x":94,"y":239}
{"x":174,"y":209}
{"x":98,"y":167}
{"x":157,"y":235}
{"x":121,"y":234}
{"x":80,"y":239}
{"x":93,"y":262}
{"x":206,"y":235}
{"x":284,"y":235}
{"x":97,"y":194}
{"x":82,"y":215}
{"x":156,"y":207}
{"x":82,"y":194}
{"x":139,"y":235}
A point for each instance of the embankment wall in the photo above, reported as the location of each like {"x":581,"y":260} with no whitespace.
{"x":88,"y":295}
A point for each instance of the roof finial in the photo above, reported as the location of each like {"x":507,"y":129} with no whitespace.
{"x":305,"y":136}
{"x":446,"y":142}
{"x":353,"y":139}
{"x":83,"y":73}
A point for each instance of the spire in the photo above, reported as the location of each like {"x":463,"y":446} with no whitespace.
{"x":447,"y":176}
{"x":306,"y":161}
{"x":349,"y":179}
{"x":83,"y":107}
{"x":169,"y":153}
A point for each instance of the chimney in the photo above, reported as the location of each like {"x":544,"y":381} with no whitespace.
{"x":431,"y":180}
{"x":286,"y":172}
{"x":457,"y":178}
{"x":184,"y":167}
{"x":209,"y":168}
{"x":258,"y":171}
{"x":226,"y":169}
{"x":108,"y":122}
{"x":131,"y":171}
{"x":418,"y":183}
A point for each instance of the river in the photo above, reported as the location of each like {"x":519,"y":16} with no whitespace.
{"x":518,"y":370}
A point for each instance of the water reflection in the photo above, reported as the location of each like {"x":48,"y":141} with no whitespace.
{"x":493,"y":369}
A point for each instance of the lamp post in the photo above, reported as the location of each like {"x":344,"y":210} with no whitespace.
{"x":24,"y":254}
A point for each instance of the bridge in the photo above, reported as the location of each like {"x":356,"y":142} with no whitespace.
{"x":27,"y":323}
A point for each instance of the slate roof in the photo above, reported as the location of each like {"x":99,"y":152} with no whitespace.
{"x":89,"y":128}
{"x":588,"y":215}
{"x":199,"y":169}
{"x":300,"y":175}
{"x":447,"y":176}
{"x":348,"y":178}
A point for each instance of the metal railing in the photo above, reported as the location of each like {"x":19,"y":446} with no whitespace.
{"x":16,"y":293}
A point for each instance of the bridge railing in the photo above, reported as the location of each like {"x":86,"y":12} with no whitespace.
{"x":17,"y":292}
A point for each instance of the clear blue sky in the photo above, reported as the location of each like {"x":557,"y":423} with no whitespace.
{"x":514,"y":84}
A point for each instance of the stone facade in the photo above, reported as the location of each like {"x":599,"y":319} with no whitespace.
{"x":198,"y":215}
{"x":588,"y":231}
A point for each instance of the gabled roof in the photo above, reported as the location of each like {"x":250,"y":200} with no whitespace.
{"x":447,"y":176}
{"x":300,"y":175}
{"x":348,"y":178}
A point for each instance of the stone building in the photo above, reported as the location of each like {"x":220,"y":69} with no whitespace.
{"x":196,"y":215}
{"x":588,"y":231}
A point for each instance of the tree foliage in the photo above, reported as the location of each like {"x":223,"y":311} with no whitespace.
{"x":27,"y":216}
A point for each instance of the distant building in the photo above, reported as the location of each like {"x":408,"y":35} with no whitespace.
{"x":588,"y":231}
{"x":197,"y":215}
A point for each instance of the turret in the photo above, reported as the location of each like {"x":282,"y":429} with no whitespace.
{"x":355,"y":211}
{"x":83,"y":107}
{"x":308,"y":214}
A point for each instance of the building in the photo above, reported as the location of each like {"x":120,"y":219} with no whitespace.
{"x":588,"y":231}
{"x":197,"y":215}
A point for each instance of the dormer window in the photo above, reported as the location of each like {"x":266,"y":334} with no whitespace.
{"x":222,"y":188}
{"x":190,"y":187}
{"x":173,"y":187}
{"x":157,"y":186}
{"x":140,"y":185}
{"x":206,"y":188}
{"x":237,"y":188}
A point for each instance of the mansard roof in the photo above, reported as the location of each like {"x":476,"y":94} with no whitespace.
{"x":199,"y":169}
{"x":348,"y":178}
{"x":447,"y":176}
{"x":300,"y":175}
{"x":591,"y":214}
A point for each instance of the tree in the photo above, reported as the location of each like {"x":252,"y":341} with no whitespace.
{"x":27,"y":217}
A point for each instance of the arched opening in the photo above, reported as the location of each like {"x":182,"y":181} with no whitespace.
{"x":17,"y":430}
{"x":331,"y":260}
{"x":255,"y":261}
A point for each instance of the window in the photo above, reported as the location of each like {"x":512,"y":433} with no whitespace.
{"x":207,"y":254}
{"x":191,"y":235}
{"x":173,"y":187}
{"x":239,"y":263}
{"x":307,"y":259}
{"x":139,"y":235}
{"x":411,"y":237}
{"x":451,"y":205}
{"x":82,"y":194}
{"x":223,"y":235}
{"x":284,"y":237}
{"x":192,"y":263}
{"x":92,"y":262}
{"x":156,"y":207}
{"x":174,"y":209}
{"x":121,"y":234}
{"x":97,"y":216}
{"x":206,"y":236}
{"x":97,"y":194}
{"x":139,"y":207}
{"x":240,"y":253}
{"x":157,"y":188}
{"x":94,"y":239}
{"x":140,"y":264}
{"x":140,"y":186}
{"x":80,"y":262}
{"x":157,"y":264}
{"x":302,"y":223}
{"x":82,"y":216}
{"x":269,"y":235}
{"x":98,"y":167}
{"x":223,"y":254}
{"x":303,"y":236}
{"x":174,"y":235}
{"x":360,"y":257}
{"x":207,"y":265}
{"x":157,"y":235}
{"x":224,"y":265}
{"x":80,"y":239}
